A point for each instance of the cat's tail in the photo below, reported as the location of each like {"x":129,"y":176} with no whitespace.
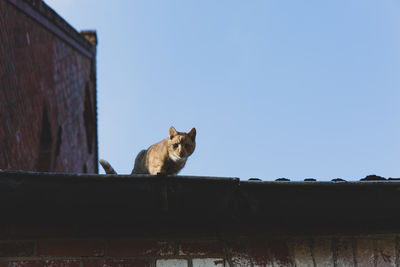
{"x":107,"y":167}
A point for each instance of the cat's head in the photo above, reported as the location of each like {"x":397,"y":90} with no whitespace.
{"x":181,"y":145}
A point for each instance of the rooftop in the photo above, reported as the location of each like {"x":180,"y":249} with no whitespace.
{"x":89,"y":203}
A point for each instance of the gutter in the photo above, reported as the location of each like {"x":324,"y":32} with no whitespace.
{"x":141,"y":203}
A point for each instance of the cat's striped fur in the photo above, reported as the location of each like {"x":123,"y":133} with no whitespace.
{"x":107,"y":167}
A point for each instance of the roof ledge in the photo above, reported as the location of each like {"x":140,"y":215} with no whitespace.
{"x":140,"y":203}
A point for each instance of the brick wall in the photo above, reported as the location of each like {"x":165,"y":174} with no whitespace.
{"x":47,"y":92}
{"x":360,"y":250}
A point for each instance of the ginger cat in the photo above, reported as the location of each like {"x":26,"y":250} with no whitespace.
{"x":165,"y":157}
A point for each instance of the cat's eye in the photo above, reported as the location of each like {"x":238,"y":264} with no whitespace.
{"x":175,"y":145}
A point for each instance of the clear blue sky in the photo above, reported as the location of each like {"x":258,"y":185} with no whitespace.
{"x":293,"y":89}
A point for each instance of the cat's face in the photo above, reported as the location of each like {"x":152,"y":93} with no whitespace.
{"x":181,"y":145}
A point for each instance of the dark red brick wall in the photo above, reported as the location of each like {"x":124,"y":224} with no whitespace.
{"x":360,"y":250}
{"x":47,"y":97}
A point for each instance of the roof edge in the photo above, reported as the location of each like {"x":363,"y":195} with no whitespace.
{"x":39,"y":11}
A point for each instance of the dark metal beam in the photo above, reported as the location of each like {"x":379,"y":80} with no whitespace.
{"x":144,"y":203}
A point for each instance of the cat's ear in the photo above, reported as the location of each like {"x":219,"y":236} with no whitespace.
{"x":172,"y":132}
{"x":192,"y":133}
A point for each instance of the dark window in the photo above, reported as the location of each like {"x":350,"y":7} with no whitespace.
{"x":44,"y":159}
{"x":58,"y":146}
{"x":89,"y":119}
{"x":59,"y":140}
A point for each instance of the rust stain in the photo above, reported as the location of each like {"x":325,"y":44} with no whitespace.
{"x":216,"y":262}
{"x":386,"y":257}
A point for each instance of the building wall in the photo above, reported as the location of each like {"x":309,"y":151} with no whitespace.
{"x":47,"y":92}
{"x":360,"y":250}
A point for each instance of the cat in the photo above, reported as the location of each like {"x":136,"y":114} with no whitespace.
{"x":168,"y":156}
